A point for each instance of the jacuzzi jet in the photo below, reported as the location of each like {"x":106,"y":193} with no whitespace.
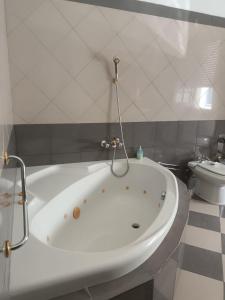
{"x":135,"y":225}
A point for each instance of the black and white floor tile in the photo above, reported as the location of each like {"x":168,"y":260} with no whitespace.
{"x":202,"y":273}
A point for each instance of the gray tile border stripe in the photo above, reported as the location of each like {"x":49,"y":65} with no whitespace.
{"x":59,"y":143}
{"x":223,"y":243}
{"x":222,"y":211}
{"x":159,"y":10}
{"x":204,"y":221}
{"x":203,"y":262}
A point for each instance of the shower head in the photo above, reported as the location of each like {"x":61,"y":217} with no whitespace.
{"x":116,"y":60}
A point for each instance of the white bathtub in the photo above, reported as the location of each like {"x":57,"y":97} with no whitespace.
{"x":94,"y":228}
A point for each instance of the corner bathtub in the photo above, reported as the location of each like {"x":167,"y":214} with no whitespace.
{"x":93,"y":228}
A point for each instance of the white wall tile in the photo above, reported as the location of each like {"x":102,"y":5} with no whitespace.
{"x":165,"y":113}
{"x":50,"y":77}
{"x":170,"y":86}
{"x":95,"y":78}
{"x":24,"y":49}
{"x":52,"y":42}
{"x":133,"y":114}
{"x":22,"y":8}
{"x":73,"y":101}
{"x":134,"y":81}
{"x":73,"y":54}
{"x":136,"y":37}
{"x":48,"y":25}
{"x":118,"y":19}
{"x":50,"y":115}
{"x":150,"y":102}
{"x":73,"y":12}
{"x":28,"y":100}
{"x":93,"y":115}
{"x":5,"y":93}
{"x":113,"y":49}
{"x":152,"y":60}
{"x":95,"y":30}
{"x":15,"y":75}
{"x":107,"y":103}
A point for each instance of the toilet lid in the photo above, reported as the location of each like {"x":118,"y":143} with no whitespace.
{"x":213,"y":167}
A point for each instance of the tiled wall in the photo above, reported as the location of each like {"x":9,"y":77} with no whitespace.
{"x":61,"y":65}
{"x":170,"y":142}
{"x":6,"y":176}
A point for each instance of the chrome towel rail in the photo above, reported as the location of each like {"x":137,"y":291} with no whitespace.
{"x":8,"y":247}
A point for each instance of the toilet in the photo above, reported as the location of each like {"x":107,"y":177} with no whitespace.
{"x":210,"y":180}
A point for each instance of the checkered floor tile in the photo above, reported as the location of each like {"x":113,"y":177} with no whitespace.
{"x":202,"y":273}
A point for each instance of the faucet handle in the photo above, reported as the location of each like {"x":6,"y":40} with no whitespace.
{"x":104,"y":144}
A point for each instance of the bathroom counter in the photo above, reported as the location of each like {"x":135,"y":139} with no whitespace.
{"x":46,"y":187}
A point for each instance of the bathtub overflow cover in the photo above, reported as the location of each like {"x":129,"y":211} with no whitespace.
{"x":135,"y":225}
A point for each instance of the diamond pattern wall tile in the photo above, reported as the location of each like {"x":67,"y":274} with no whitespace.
{"x":173,"y":40}
{"x":133,"y":114}
{"x":95,"y":78}
{"x":95,"y":31}
{"x":48,"y":25}
{"x":50,"y":115}
{"x":18,"y":120}
{"x":165,"y":113}
{"x":107,"y":103}
{"x":152,"y":60}
{"x":28,"y":100}
{"x":211,"y":105}
{"x":204,"y":45}
{"x":134,"y":81}
{"x":188,"y":108}
{"x":73,"y":54}
{"x":116,"y":48}
{"x":73,"y":12}
{"x":22,"y":8}
{"x":93,"y":115}
{"x":50,"y":77}
{"x":185,"y":66}
{"x":118,"y":19}
{"x":15,"y":75}
{"x":170,"y":86}
{"x":150,"y":102}
{"x":156,"y":25}
{"x":198,"y":82}
{"x":25,"y":50}
{"x":220,"y":87}
{"x":73,"y":101}
{"x":12,"y":23}
{"x":61,"y":56}
{"x":215,"y":69}
{"x":136,"y":37}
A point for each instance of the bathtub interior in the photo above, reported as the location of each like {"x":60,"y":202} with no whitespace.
{"x":101,"y":212}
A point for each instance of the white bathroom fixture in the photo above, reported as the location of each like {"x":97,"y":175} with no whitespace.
{"x":210,"y":180}
{"x":93,"y":227}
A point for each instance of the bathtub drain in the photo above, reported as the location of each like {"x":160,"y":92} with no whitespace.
{"x":136,"y":225}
